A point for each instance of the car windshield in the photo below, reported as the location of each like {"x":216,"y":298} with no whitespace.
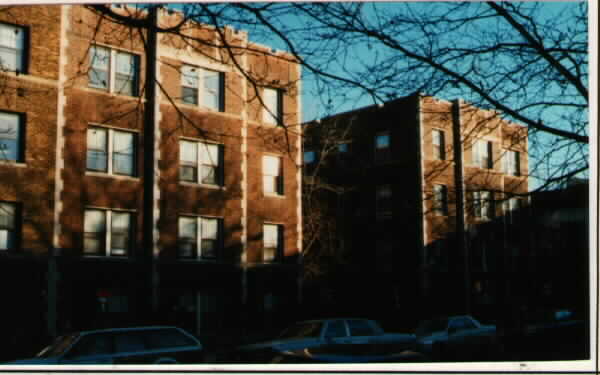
{"x":430,"y":326}
{"x":58,"y":347}
{"x":302,"y":330}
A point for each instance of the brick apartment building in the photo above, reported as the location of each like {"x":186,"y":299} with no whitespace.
{"x":405,"y":174}
{"x":227,"y":200}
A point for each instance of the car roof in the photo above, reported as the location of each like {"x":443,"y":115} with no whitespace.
{"x":127,"y":329}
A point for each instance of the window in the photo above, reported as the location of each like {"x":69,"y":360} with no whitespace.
{"x":272,"y":175}
{"x":11,"y":137}
{"x":111,"y":151}
{"x":113,"y":71}
{"x":201,"y":163}
{"x":200,"y":237}
{"x":383,"y":201}
{"x":343,"y":147}
{"x":8,"y":226}
{"x":309,"y":157}
{"x":440,"y":200}
{"x":512,"y":163}
{"x":439,"y":144}
{"x":204,"y":86}
{"x":272,"y":242}
{"x":511,"y":208}
{"x":107,"y":233}
{"x":382,"y":147}
{"x":273,"y":106}
{"x":482,"y":154}
{"x":483,"y":205}
{"x":12,"y":48}
{"x":336,"y":328}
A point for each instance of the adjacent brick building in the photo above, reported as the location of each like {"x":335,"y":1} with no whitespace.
{"x":227,"y":197}
{"x":398,"y":180}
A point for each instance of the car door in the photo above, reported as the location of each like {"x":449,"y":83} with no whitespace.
{"x":361,"y":339}
{"x":335,"y":336}
{"x":93,"y":348}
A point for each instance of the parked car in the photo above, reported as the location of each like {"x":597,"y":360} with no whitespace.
{"x":331,"y":340}
{"x":456,"y":338}
{"x":139,"y":345}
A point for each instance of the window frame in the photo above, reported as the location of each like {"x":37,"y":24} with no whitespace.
{"x":110,"y":152}
{"x":21,"y":51}
{"x":483,"y":154}
{"x":383,"y":211}
{"x":13,"y":234}
{"x":20,"y":143}
{"x":272,"y":113}
{"x":112,"y":70}
{"x":278,"y":250}
{"x":439,"y":144}
{"x":512,"y":163}
{"x":483,"y":204}
{"x":382,"y":153}
{"x":105,"y":237}
{"x":440,"y":199}
{"x":198,"y":239}
{"x":201,"y":88}
{"x":278,"y":184}
{"x":199,"y":164}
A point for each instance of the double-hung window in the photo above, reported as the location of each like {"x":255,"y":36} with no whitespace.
{"x":382,"y":147}
{"x":11,"y":136}
{"x":482,"y":154}
{"x":113,"y":71}
{"x":439,"y":144}
{"x":111,"y":151}
{"x":272,"y":242}
{"x":272,"y":175}
{"x":203,"y":86}
{"x":383,"y":201}
{"x":199,"y":237}
{"x":511,"y":207}
{"x":201,"y":163}
{"x":8,"y":226}
{"x":108,"y":233}
{"x":12,"y":48}
{"x":512,"y":163}
{"x":273,"y":106}
{"x":440,"y":200}
{"x":483,"y":204}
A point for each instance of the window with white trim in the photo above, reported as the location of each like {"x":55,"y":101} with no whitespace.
{"x":113,"y":70}
{"x":199,"y":237}
{"x":108,"y":233}
{"x":13,"y":40}
{"x":382,"y":147}
{"x":272,"y":242}
{"x":8,"y":226}
{"x":201,"y":163}
{"x":482,"y":154}
{"x":483,"y":204}
{"x":199,"y":85}
{"x":440,"y":200}
{"x":439,"y":144}
{"x":383,"y":201}
{"x":273,"y":106}
{"x":11,"y":137}
{"x":111,"y":151}
{"x":512,"y":163}
{"x":272,"y":175}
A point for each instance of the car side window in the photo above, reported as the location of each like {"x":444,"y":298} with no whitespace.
{"x":360,"y":328}
{"x":336,"y":328}
{"x":129,"y":342}
{"x":93,"y":344}
{"x":460,"y":324}
{"x":167,"y":338}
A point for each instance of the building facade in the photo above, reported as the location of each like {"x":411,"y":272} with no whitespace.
{"x":408,"y":183}
{"x":226,"y":207}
